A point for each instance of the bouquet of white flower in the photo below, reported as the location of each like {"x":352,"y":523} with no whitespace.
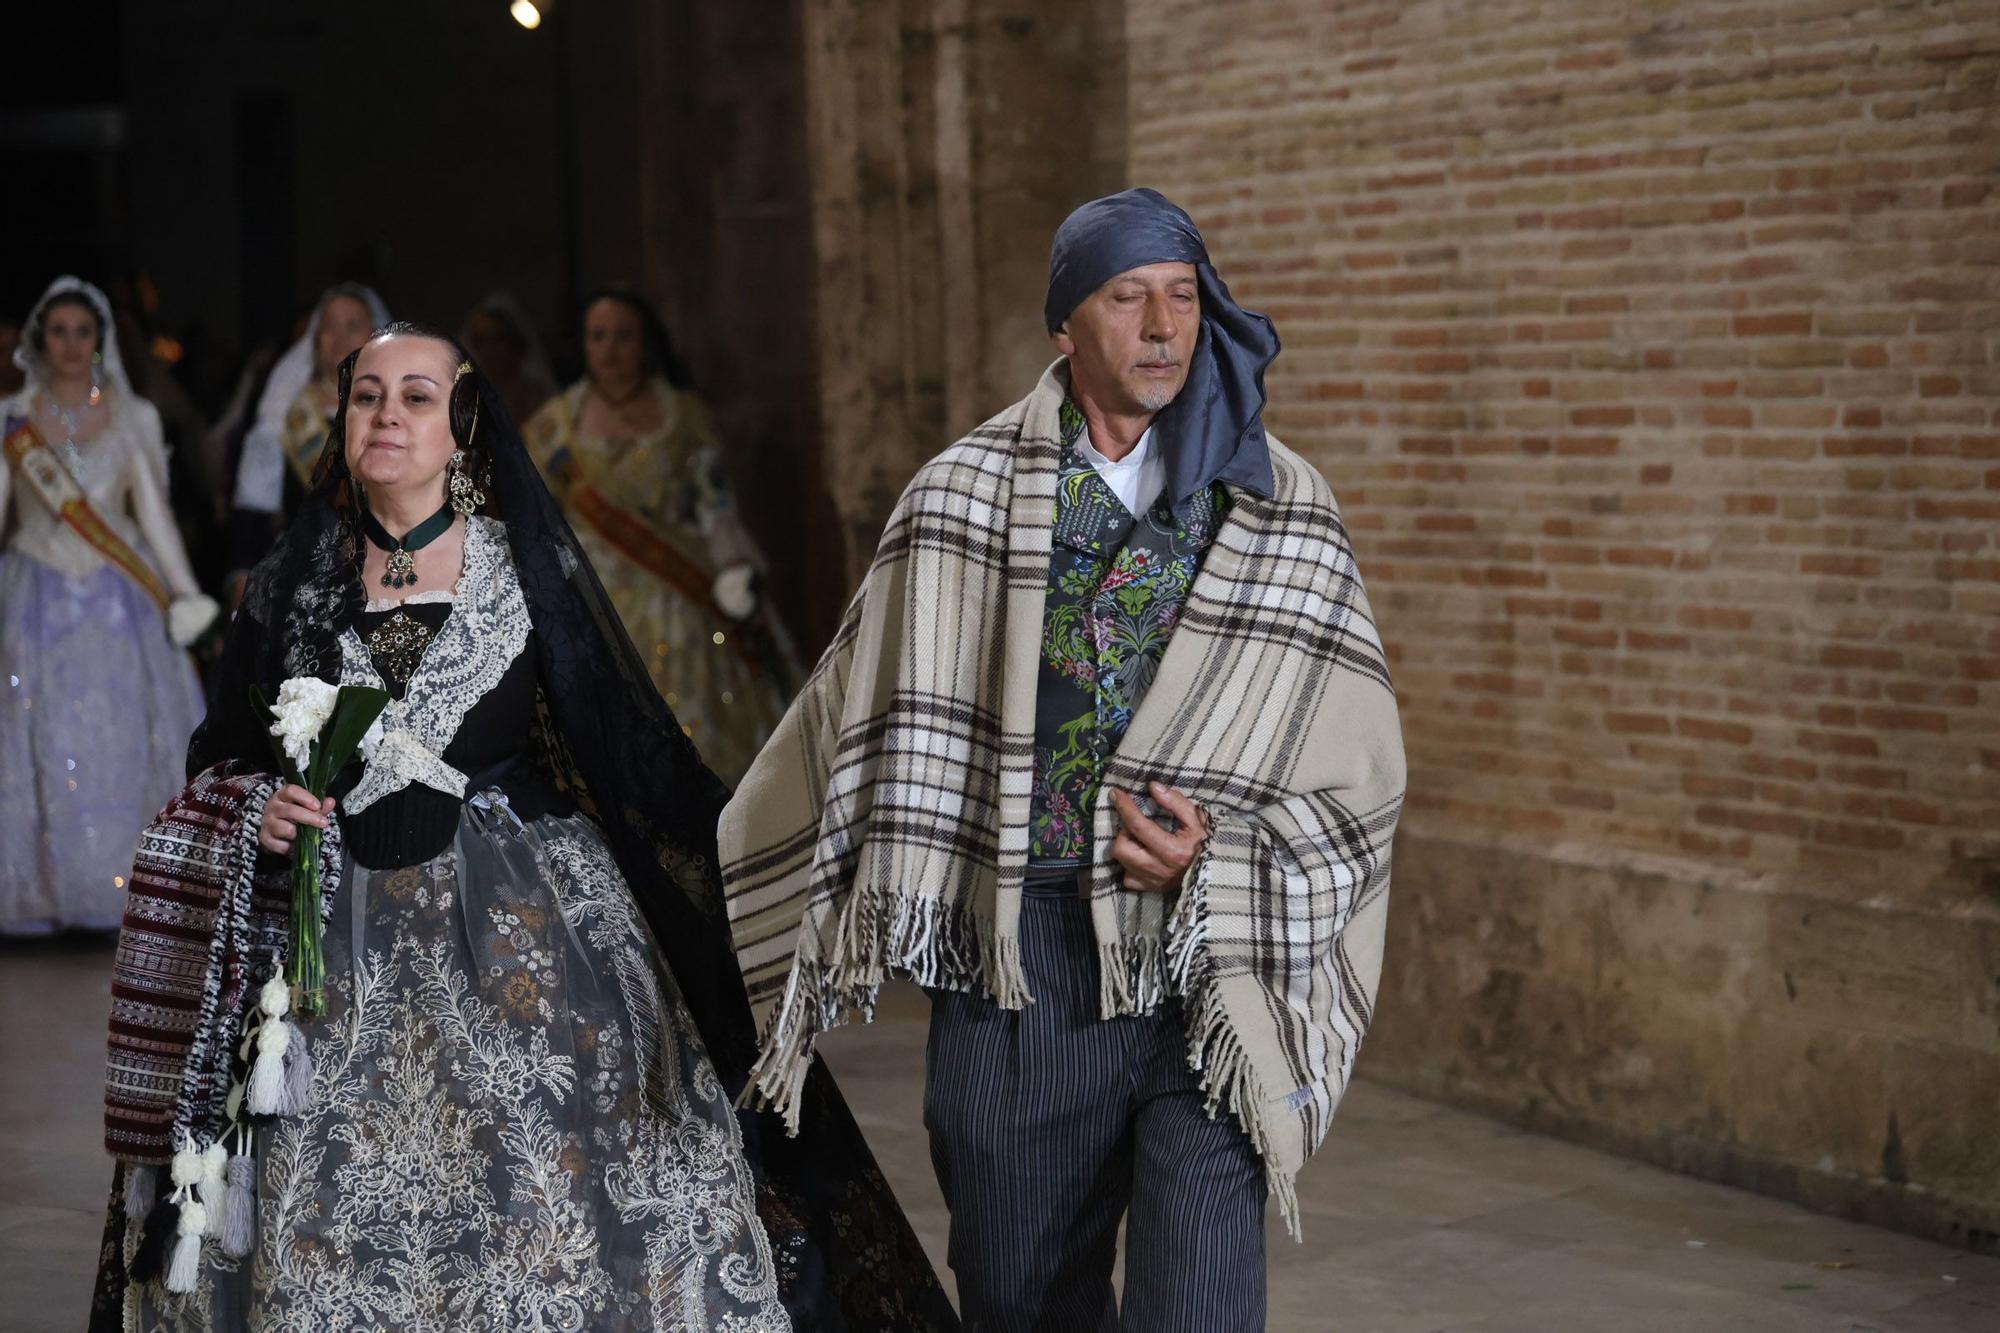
{"x":319,"y":728}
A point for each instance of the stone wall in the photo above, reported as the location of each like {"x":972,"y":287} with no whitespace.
{"x":1651,"y":350}
{"x":726,"y":209}
{"x":948,"y":139}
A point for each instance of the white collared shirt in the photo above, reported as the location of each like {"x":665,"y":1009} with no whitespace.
{"x":1136,"y":479}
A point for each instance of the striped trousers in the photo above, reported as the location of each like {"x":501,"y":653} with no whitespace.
{"x":1048,"y":1124}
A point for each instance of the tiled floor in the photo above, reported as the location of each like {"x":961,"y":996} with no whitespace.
{"x":1417,"y":1217}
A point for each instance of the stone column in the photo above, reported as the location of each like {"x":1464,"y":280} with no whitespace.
{"x":727,"y":222}
{"x":948,"y":138}
{"x":846,"y":210}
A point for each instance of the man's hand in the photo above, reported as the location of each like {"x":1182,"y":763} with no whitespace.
{"x":1155,"y":860}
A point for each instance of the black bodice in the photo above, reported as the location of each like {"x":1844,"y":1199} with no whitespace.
{"x":494,"y":747}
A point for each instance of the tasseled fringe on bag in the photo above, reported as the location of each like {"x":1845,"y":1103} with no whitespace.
{"x":185,"y":1270}
{"x":297,"y":1099}
{"x":149,"y":1261}
{"x":925,"y":940}
{"x":239,"y":1209}
{"x":214,"y":1190}
{"x":215,"y":1196}
{"x":280,"y":1047}
{"x":213,"y":1186}
{"x":142,"y":1189}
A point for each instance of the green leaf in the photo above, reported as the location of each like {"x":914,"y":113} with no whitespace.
{"x":354,"y":711}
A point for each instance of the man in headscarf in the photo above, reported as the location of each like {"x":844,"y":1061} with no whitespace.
{"x":1106,"y":755}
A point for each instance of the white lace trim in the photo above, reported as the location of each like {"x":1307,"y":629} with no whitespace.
{"x":487,"y":629}
{"x":431,"y":598}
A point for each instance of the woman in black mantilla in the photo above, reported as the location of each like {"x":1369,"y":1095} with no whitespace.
{"x":520,"y":1105}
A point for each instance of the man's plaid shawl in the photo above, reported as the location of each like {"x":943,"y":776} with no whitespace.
{"x":883,"y":832}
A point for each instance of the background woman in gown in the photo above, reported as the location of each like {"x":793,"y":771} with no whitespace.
{"x":520,"y":1110}
{"x":283,"y":443}
{"x":96,"y":696}
{"x":633,"y":456}
{"x":508,"y":352}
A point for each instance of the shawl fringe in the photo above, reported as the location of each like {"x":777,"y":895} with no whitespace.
{"x":922,"y":939}
{"x":1215,"y":1048}
{"x":1131,"y":976}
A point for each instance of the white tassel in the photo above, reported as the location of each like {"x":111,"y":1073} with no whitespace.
{"x":186,"y":1267}
{"x":186,"y":1171}
{"x":141,"y":1189}
{"x":238,"y":1232}
{"x":274,"y":1038}
{"x":267,"y":1075}
{"x":275,"y":999}
{"x":214,"y":1186}
{"x":297,"y":1096}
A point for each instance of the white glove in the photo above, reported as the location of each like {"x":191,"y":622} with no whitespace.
{"x":735,"y":591}
{"x":188,"y":618}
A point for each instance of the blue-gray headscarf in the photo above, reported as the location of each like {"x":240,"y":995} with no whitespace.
{"x":1214,"y":430}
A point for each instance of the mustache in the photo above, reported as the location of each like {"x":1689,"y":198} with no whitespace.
{"x":1158,"y":357}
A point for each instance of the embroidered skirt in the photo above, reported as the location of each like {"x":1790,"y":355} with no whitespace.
{"x":514,"y":1124}
{"x":96,"y":706}
{"x":728,"y":706}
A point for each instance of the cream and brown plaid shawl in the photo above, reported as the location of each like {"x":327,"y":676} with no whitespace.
{"x":883,"y":831}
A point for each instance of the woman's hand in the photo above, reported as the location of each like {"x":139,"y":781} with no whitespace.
{"x":290,"y":806}
{"x":1155,"y":860}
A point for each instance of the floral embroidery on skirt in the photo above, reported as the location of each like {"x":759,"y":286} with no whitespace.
{"x":514,"y":1123}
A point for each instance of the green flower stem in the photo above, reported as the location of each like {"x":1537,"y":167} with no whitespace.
{"x":308,"y":951}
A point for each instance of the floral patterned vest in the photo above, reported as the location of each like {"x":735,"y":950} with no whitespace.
{"x":1116,"y":588}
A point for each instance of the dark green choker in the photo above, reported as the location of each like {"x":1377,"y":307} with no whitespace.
{"x":401,"y":571}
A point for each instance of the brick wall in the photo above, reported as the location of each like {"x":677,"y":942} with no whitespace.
{"x":1654,"y":352}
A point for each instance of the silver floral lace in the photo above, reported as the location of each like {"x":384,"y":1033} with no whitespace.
{"x":514,"y":1125}
{"x":487,"y":629}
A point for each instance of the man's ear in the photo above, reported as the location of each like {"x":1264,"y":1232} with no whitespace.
{"x":1064,"y":343}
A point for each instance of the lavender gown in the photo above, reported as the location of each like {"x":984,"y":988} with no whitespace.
{"x":96,"y":702}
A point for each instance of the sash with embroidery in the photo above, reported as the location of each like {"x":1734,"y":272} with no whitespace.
{"x":638,"y":542}
{"x":628,"y":533}
{"x":55,"y":486}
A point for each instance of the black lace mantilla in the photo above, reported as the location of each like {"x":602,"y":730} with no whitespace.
{"x":615,"y":747}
